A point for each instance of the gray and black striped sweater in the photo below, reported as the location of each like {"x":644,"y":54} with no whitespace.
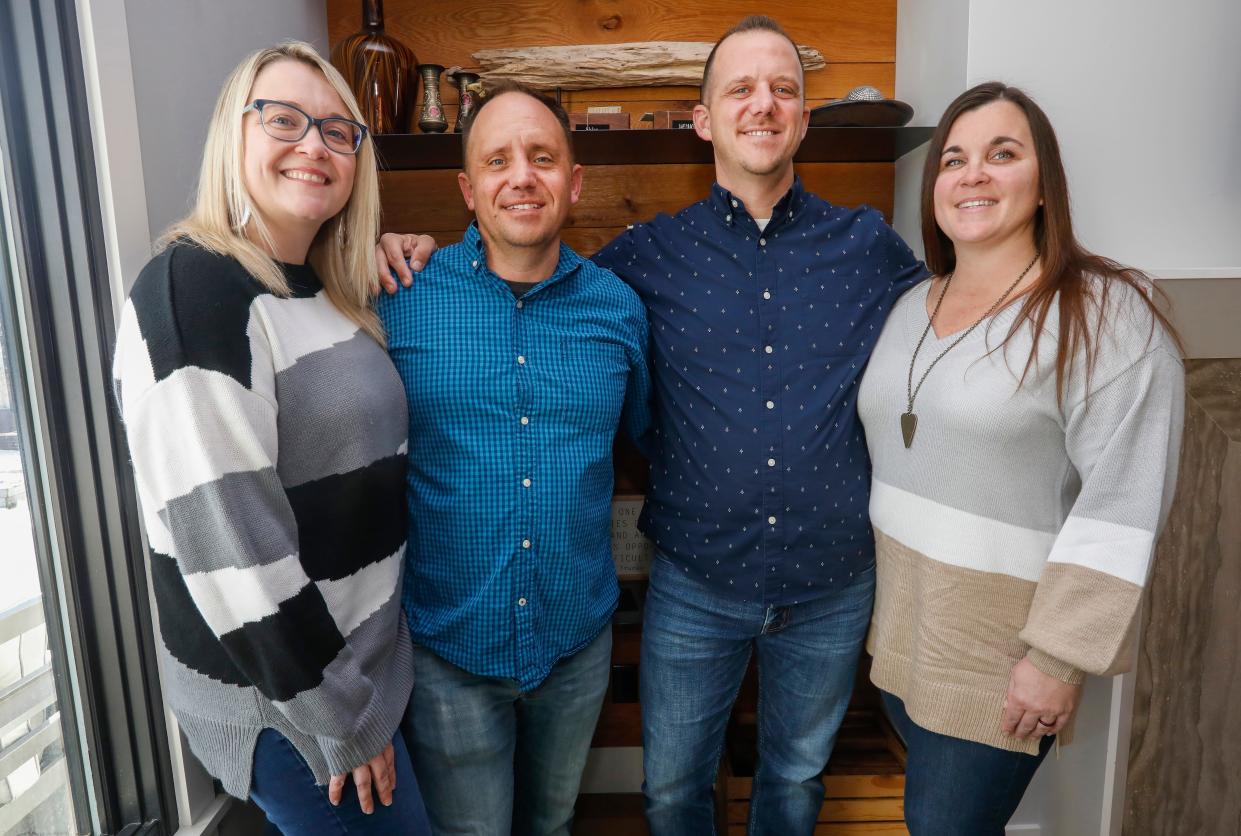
{"x":268,"y":438}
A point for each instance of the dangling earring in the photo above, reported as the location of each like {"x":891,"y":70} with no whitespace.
{"x":245,"y":217}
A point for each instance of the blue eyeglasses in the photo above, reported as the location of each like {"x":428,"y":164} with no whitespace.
{"x":289,"y":123}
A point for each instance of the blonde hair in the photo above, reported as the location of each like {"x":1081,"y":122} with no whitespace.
{"x":343,"y":251}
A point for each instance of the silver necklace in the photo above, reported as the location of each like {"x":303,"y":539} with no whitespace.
{"x":909,"y":421}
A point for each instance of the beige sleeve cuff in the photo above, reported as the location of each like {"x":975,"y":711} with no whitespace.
{"x":1052,"y":666}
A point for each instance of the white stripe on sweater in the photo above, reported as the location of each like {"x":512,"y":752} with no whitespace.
{"x":306,"y":326}
{"x":1118,"y":550}
{"x":231,"y":597}
{"x":132,"y":363}
{"x":227,"y":429}
{"x":354,"y":599}
{"x":956,"y":537}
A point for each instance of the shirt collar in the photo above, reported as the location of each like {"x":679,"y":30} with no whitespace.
{"x":568,"y":262}
{"x":730,"y":209}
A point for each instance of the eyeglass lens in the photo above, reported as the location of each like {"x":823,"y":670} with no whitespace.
{"x":289,"y":124}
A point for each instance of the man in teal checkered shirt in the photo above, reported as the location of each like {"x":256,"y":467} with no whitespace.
{"x":520,"y":360}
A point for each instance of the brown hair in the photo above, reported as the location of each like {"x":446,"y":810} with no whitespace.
{"x":495,"y":90}
{"x":750,"y":23}
{"x":1068,"y":268}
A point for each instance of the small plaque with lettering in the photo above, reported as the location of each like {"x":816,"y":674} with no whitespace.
{"x":631,"y":551}
{"x":599,"y":121}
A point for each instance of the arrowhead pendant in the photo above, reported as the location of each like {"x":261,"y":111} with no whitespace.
{"x":909,"y":425}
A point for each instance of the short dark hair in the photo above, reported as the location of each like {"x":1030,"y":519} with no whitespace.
{"x":496,"y":89}
{"x":749,"y":23}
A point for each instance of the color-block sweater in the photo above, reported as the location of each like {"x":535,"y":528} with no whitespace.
{"x":268,"y":438}
{"x":1013,"y":527}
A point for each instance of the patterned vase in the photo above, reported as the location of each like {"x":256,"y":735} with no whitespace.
{"x":432,"y":119}
{"x":467,"y":97}
{"x":380,"y":71}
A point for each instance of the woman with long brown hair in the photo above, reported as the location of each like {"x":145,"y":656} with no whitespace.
{"x":1023,"y":410}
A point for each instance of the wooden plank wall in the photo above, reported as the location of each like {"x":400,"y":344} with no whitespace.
{"x":857,"y":37}
{"x":1185,"y":751}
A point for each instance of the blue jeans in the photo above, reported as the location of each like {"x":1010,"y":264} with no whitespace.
{"x":956,"y":787}
{"x":284,"y":788}
{"x":695,"y":649}
{"x":489,"y":757}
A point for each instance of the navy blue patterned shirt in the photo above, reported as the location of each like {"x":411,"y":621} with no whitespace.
{"x":513,"y":408}
{"x":760,"y":479}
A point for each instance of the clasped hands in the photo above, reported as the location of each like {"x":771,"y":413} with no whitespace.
{"x":1037,"y":704}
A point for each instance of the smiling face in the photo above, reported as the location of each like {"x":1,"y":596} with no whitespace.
{"x":987,"y":189}
{"x":295,"y":186}
{"x":754,"y":111}
{"x":519,"y":180}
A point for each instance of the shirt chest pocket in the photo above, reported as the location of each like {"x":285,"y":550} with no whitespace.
{"x":592,"y":378}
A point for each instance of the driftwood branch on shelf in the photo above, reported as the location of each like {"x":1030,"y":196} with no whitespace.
{"x":591,"y":66}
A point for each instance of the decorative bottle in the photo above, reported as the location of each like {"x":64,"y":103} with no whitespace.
{"x":381,"y":72}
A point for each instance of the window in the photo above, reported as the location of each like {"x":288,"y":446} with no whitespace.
{"x":36,"y":795}
{"x":89,"y":749}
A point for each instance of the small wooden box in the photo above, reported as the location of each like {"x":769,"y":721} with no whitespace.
{"x":683,"y":119}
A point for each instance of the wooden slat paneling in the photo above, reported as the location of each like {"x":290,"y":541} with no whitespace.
{"x":449,"y":31}
{"x":839,"y":810}
{"x":843,"y":829}
{"x":1185,"y":750}
{"x":830,"y":83}
{"x":614,"y":196}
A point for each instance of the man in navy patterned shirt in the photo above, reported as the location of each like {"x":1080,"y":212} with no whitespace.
{"x":764,"y":304}
{"x":519,"y":360}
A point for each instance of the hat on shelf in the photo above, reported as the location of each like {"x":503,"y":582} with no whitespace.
{"x":862,"y":107}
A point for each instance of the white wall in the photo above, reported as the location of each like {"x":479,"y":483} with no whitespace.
{"x":181,"y":53}
{"x":1146,"y":97}
{"x":1144,"y":94}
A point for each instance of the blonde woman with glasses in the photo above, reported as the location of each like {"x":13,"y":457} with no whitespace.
{"x":268,"y":434}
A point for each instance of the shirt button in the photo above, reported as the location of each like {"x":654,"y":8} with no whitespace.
{"x":762,"y":242}
{"x":768,"y":349}
{"x":474,"y":263}
{"x":728,"y":218}
{"x":771,"y":520}
{"x":771,"y":462}
{"x":766,"y":294}
{"x":521,"y":602}
{"x":521,"y":361}
{"x":525,"y":544}
{"x":734,"y":204}
{"x":525,"y":483}
{"x":524,"y":420}
{"x":771,"y":404}
{"x":520,"y":304}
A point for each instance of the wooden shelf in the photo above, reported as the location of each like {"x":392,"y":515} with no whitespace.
{"x":407,"y":152}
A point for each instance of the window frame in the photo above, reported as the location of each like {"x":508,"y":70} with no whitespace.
{"x":87,"y":532}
